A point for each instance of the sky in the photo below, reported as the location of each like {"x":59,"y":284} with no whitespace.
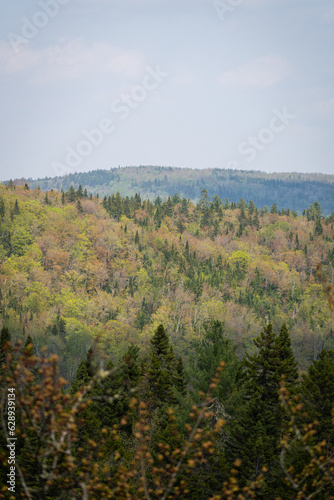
{"x":97,"y":84}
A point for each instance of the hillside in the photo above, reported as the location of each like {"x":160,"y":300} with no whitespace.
{"x":296,"y":191}
{"x":154,"y":336}
{"x":74,"y":267}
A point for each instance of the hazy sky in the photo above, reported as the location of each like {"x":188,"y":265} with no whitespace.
{"x":89,"y":84}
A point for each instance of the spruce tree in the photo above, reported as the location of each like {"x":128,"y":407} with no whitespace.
{"x":16,"y":209}
{"x":273,"y":209}
{"x":179,"y":377}
{"x":84,"y":373}
{"x":289,"y":365}
{"x":213,"y":348}
{"x":161,"y":369}
{"x":317,"y":395}
{"x":137,"y":238}
{"x":257,"y":431}
{"x":318,"y":230}
{"x":2,"y":208}
{"x":160,"y":342}
{"x":315,"y":424}
{"x":79,"y":191}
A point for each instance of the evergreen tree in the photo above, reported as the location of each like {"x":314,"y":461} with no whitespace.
{"x":258,"y":430}
{"x":79,"y":206}
{"x":84,"y":373}
{"x":16,"y":209}
{"x":318,"y":230}
{"x":251,"y":207}
{"x":315,"y":423}
{"x":273,"y":209}
{"x":317,"y":395}
{"x":180,"y":383}
{"x":161,"y":371}
{"x":2,"y":208}
{"x":204,"y":209}
{"x":137,"y":238}
{"x":256,"y":220}
{"x":71,"y":194}
{"x":59,"y":326}
{"x":79,"y":191}
{"x":184,"y":207}
{"x":213,"y":348}
{"x":160,"y":342}
{"x":143,"y":316}
{"x":288,"y":363}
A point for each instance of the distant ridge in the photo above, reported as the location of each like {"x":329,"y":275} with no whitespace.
{"x":288,"y":190}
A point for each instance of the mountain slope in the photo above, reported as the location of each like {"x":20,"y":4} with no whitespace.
{"x":287,"y":190}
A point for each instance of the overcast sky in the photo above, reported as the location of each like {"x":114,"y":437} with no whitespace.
{"x":88,"y":84}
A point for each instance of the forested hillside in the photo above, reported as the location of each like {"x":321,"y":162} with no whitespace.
{"x":175,"y":326}
{"x":74,"y":267}
{"x":296,"y":191}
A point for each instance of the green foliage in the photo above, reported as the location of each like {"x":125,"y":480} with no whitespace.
{"x":293,"y":190}
{"x":317,"y":394}
{"x":259,"y":429}
{"x":164,"y":372}
{"x":213,"y":348}
{"x":289,"y":365}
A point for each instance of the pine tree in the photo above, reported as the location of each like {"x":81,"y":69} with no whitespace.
{"x":2,"y":208}
{"x":180,"y":377}
{"x":143,"y":316}
{"x":315,"y":424}
{"x":71,"y":194}
{"x":317,"y":395}
{"x":258,"y":428}
{"x":124,"y":379}
{"x":59,"y":326}
{"x":79,"y":191}
{"x":213,"y":348}
{"x":16,"y":209}
{"x":318,"y":230}
{"x":79,"y":206}
{"x":273,"y":209}
{"x":256,"y":220}
{"x":160,"y":371}
{"x":160,"y":341}
{"x":184,"y":207}
{"x":137,"y":238}
{"x":84,"y":373}
{"x":251,"y":207}
{"x":288,"y":363}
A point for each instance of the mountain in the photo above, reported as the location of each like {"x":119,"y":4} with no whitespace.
{"x":288,"y":190}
